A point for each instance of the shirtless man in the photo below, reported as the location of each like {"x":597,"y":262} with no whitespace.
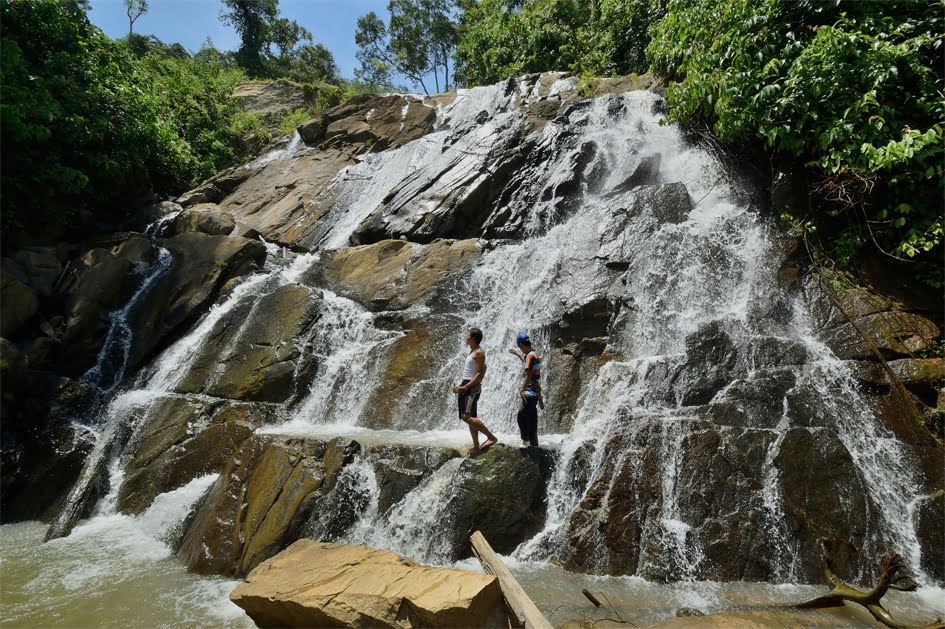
{"x":469,"y":390}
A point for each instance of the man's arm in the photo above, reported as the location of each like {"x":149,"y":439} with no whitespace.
{"x":516,"y":353}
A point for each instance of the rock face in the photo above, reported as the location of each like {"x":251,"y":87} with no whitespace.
{"x":253,"y":510}
{"x":395,"y":274}
{"x":330,"y":585}
{"x":256,"y":354}
{"x":722,"y":408}
{"x":275,"y":490}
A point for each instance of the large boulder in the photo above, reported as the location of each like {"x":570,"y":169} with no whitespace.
{"x":20,"y":302}
{"x":409,"y":387}
{"x":709,"y":526}
{"x":256,"y":354}
{"x":375,"y":122}
{"x":43,"y":448}
{"x":282,"y":200}
{"x":269,"y":99}
{"x":313,"y":584}
{"x":395,"y":274}
{"x":257,"y":505}
{"x":501,"y":493}
{"x":183,"y":438}
{"x":200,"y":266}
{"x":858,"y":323}
{"x":929,"y":520}
{"x":207,"y":218}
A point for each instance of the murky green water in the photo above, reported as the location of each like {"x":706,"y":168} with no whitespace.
{"x":108,"y":573}
{"x":113,"y":572}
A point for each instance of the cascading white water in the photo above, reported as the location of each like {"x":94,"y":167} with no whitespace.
{"x":109,"y":369}
{"x":714,"y":265}
{"x":285,"y":152}
{"x":347,"y":350}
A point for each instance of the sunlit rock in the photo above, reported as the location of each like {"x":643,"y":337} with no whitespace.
{"x":314,"y":584}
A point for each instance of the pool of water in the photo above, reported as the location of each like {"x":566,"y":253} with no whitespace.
{"x":115,"y":570}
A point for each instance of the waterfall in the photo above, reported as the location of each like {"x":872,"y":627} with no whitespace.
{"x":115,"y":426}
{"x":662,"y":273}
{"x":285,"y":152}
{"x":109,"y":369}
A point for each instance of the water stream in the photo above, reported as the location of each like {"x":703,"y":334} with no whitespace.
{"x":714,"y":266}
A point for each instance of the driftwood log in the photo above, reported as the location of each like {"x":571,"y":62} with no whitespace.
{"x":841,"y":592}
{"x":524,"y":610}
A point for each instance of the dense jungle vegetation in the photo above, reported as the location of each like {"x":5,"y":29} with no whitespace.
{"x":852,"y":90}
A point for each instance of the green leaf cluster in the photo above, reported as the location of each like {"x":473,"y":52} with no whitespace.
{"x":853,"y":88}
{"x":502,"y":38}
{"x":79,"y":124}
{"x":88,"y":126}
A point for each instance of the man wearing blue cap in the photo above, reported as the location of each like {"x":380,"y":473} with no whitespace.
{"x":530,"y":391}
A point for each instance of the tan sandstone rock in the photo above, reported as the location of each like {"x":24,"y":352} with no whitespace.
{"x":313,"y":584}
{"x":395,"y":274}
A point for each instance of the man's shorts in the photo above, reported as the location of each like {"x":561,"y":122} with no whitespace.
{"x":469,"y":401}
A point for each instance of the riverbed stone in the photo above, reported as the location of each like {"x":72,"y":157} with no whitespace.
{"x":313,"y":584}
{"x":207,"y":218}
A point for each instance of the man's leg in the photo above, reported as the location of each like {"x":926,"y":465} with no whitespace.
{"x":473,"y":431}
{"x":476,"y":424}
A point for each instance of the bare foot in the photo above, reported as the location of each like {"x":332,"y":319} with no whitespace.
{"x":489,"y":442}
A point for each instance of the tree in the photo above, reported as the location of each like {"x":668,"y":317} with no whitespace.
{"x":851,"y":89}
{"x":80,"y":120}
{"x":251,"y":20}
{"x":418,"y":43}
{"x":135,"y":9}
{"x":502,"y":38}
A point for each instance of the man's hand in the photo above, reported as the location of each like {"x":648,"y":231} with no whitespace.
{"x":458,"y":389}
{"x":521,"y":394}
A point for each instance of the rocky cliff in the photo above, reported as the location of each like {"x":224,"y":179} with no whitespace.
{"x":722,"y":406}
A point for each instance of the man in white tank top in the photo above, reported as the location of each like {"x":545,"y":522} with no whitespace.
{"x":474,"y":369}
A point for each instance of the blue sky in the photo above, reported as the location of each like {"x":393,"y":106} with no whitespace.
{"x":190,"y":22}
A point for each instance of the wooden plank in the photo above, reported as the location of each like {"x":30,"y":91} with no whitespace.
{"x":525,"y":611}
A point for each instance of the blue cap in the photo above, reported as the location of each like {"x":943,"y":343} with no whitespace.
{"x":523,"y":338}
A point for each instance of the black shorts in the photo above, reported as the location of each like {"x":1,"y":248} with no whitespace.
{"x":469,"y":401}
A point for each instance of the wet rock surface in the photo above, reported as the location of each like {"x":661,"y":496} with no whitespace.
{"x":720,"y":436}
{"x":256,"y":353}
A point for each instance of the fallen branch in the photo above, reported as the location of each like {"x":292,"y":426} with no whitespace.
{"x":841,"y":592}
{"x":590,"y":596}
{"x":525,"y":612}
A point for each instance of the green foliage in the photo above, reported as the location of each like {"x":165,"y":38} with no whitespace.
{"x":276,"y":47}
{"x":418,"y":43}
{"x":294,"y":118}
{"x":500,"y":38}
{"x":90,"y":124}
{"x":251,"y":20}
{"x":196,"y":97}
{"x":853,"y":88}
{"x":79,"y":125}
